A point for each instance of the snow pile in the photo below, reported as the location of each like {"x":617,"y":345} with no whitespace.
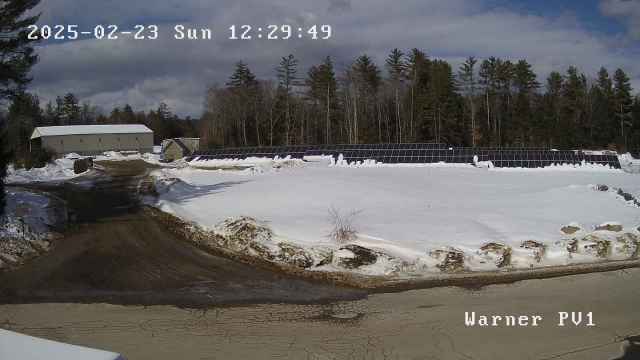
{"x":419,"y":220}
{"x":128,"y":156}
{"x":341,"y":162}
{"x":23,"y":347}
{"x":25,"y":228}
{"x":57,"y":170}
{"x":629,"y":163}
{"x":253,"y":164}
{"x":585,"y":166}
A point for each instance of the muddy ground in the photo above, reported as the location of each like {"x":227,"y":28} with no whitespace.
{"x":419,"y":324}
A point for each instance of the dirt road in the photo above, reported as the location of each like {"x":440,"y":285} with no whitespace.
{"x":421,"y":324}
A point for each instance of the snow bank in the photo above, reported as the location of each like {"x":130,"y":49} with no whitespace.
{"x":128,"y":156}
{"x":62,"y":169}
{"x":57,"y":170}
{"x":25,"y":229}
{"x":424,"y":219}
{"x":253,"y":164}
{"x":23,"y":347}
{"x":629,"y":163}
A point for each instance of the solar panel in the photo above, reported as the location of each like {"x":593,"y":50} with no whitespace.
{"x":412,"y":153}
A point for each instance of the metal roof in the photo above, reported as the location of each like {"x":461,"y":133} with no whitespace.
{"x":89,"y":130}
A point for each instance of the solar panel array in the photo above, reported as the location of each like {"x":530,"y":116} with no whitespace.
{"x":295,"y":152}
{"x":421,"y":153}
{"x":411,"y":156}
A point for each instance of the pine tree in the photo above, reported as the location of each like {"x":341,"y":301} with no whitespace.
{"x":17,"y":58}
{"x":243,"y":86}
{"x":551,"y":108}
{"x":525,"y":83}
{"x":573,"y":94}
{"x":468,"y":81}
{"x":322,"y":85}
{"x":70,"y":109}
{"x":397,"y":69}
{"x":605,"y":124}
{"x":287,"y":79}
{"x":366,"y":80}
{"x":489,"y":80}
{"x":623,"y":103}
{"x":418,"y":65}
{"x":128,"y":116}
{"x":24,"y":115}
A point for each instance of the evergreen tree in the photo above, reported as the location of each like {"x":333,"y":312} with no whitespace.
{"x":489,"y":81}
{"x":366,"y":79}
{"x":418,"y":66}
{"x":243,"y":86}
{"x":397,"y":69}
{"x":322,"y":85}
{"x":24,"y":115}
{"x":128,"y":116}
{"x":17,"y":58}
{"x":70,"y":109}
{"x":287,"y":79}
{"x":469,"y":83}
{"x":572,"y":129}
{"x":604,"y":122}
{"x":526,"y":84}
{"x":551,"y":109}
{"x":623,"y":103}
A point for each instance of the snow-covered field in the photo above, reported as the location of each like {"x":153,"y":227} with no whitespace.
{"x":418,"y":219}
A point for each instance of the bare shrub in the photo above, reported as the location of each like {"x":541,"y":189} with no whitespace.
{"x":343,"y":225}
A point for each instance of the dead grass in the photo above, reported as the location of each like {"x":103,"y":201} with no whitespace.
{"x":344,"y":229}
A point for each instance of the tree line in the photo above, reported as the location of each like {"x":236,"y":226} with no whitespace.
{"x":415,"y":98}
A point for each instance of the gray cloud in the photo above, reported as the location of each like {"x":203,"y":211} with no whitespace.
{"x":337,"y":6}
{"x":144,"y":73}
{"x":626,"y":10}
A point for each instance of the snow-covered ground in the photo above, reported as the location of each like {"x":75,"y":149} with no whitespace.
{"x":57,"y":170}
{"x":62,"y":169}
{"x":25,"y":229}
{"x":417,"y":219}
{"x":14,"y":346}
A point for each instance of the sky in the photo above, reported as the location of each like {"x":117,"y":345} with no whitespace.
{"x":549,"y":34}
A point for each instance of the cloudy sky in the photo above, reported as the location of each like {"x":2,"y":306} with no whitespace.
{"x":550,"y":34}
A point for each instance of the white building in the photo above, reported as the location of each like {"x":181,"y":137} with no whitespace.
{"x":93,"y":139}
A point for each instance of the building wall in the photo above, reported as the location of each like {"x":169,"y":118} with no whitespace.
{"x":172,"y":152}
{"x":96,"y":144}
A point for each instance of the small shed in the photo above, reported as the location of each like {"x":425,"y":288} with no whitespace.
{"x":177,"y":148}
{"x":93,"y":139}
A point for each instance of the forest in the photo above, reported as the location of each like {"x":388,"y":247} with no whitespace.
{"x":415,"y":98}
{"x":410,"y":98}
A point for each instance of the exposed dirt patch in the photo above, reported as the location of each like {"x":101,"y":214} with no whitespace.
{"x":132,"y":259}
{"x":452,"y":260}
{"x":610,"y":227}
{"x":361,"y":257}
{"x":539,"y":249}
{"x":570,"y":230}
